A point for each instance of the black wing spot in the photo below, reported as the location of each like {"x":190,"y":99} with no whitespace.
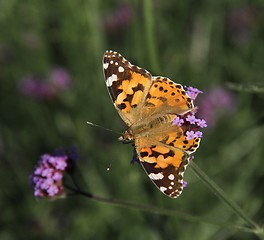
{"x":143,"y":154}
{"x":121,"y":106}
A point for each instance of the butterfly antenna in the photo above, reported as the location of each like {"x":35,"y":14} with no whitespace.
{"x":107,"y":129}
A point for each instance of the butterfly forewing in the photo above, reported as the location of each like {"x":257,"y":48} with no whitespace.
{"x":165,"y":96}
{"x":127,"y":85}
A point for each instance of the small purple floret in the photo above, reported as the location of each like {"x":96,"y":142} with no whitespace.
{"x":178,"y":121}
{"x":188,"y":122}
{"x":201,"y":123}
{"x":190,"y":135}
{"x":192,"y":92}
{"x":191,"y":119}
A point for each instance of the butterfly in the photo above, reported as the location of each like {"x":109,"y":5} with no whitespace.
{"x":148,"y":105}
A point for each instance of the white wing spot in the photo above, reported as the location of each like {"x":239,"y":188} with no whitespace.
{"x":171,"y":177}
{"x":155,"y":176}
{"x":111,"y":62}
{"x":172,"y":183}
{"x":116,"y":63}
{"x":163,"y":189}
{"x":121,"y":69}
{"x":170,"y":187}
{"x":110,"y":80}
{"x":106,"y":65}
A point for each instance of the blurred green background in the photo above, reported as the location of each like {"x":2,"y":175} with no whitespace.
{"x":52,"y":83}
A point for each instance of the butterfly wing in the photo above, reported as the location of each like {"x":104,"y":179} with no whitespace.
{"x":149,"y":104}
{"x":127,"y":84}
{"x":165,"y":155}
{"x":166,"y":97}
{"x":168,"y":180}
{"x":137,"y":95}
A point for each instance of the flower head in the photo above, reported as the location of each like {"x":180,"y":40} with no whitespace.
{"x":118,"y":19}
{"x":42,"y":88}
{"x":60,"y":78}
{"x":48,"y":175}
{"x":188,"y":121}
{"x":215,"y":103}
{"x":241,"y":22}
{"x":36,"y":87}
{"x":192,"y":92}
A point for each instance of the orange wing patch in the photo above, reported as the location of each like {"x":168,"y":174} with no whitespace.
{"x":127,"y":85}
{"x":165,"y":95}
{"x":162,"y":156}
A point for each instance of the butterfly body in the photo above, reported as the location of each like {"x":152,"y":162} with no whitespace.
{"x":149,"y":105}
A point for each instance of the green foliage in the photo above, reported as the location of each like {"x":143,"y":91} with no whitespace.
{"x":205,"y":44}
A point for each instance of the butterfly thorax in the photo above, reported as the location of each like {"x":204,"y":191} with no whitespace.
{"x":127,"y":136}
{"x":147,"y":127}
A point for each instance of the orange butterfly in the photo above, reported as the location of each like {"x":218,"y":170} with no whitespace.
{"x":149,"y":106}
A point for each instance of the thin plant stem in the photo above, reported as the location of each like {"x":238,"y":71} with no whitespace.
{"x":252,"y":88}
{"x":149,"y":34}
{"x":223,"y":196}
{"x":153,"y":209}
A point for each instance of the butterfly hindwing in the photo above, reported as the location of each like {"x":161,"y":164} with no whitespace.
{"x":165,"y":157}
{"x":168,"y":180}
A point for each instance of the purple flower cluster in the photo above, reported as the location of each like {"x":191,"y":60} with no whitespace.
{"x":215,"y":103}
{"x":41,"y":88}
{"x":241,"y":22}
{"x":189,"y":122}
{"x":118,"y":19}
{"x":47,"y":177}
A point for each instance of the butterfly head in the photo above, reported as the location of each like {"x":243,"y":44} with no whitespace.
{"x":127,"y":136}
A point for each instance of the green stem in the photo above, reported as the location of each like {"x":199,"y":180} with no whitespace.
{"x":252,"y":88}
{"x":149,"y":34}
{"x":153,"y":209}
{"x":223,"y":196}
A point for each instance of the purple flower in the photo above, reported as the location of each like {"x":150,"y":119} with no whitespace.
{"x":192,"y":92}
{"x":47,"y":178}
{"x":190,"y":135}
{"x":188,"y":121}
{"x":45,"y":88}
{"x":215,"y":103}
{"x":241,"y":22}
{"x":36,"y":87}
{"x":60,"y":78}
{"x":191,"y":119}
{"x":184,"y":184}
{"x":118,"y":19}
{"x":201,"y":123}
{"x":198,"y":134}
{"x":178,"y":121}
